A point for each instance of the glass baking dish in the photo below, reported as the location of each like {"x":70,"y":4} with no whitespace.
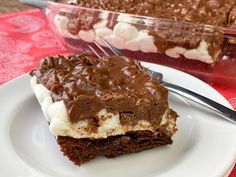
{"x":205,"y":51}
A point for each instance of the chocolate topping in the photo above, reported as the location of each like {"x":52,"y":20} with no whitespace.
{"x":168,"y":35}
{"x":81,"y":19}
{"x":212,"y":12}
{"x":88,"y":85}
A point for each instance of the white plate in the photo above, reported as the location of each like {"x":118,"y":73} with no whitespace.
{"x":204,"y":145}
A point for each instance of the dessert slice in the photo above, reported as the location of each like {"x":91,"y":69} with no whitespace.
{"x":107,"y":107}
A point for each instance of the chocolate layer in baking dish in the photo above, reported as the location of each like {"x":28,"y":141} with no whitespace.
{"x":211,"y":12}
{"x":174,"y":28}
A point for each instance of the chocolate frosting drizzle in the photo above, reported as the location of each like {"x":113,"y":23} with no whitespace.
{"x":118,"y":84}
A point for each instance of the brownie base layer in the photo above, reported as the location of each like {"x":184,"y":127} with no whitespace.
{"x":80,"y":151}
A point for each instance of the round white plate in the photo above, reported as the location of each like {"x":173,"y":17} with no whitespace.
{"x":204,"y":145}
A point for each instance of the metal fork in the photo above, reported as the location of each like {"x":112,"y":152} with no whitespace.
{"x":221,"y":110}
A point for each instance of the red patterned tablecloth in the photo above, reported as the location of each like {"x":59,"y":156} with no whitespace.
{"x":25,"y":38}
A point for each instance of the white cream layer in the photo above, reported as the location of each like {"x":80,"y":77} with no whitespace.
{"x":56,"y":114}
{"x":126,"y":36}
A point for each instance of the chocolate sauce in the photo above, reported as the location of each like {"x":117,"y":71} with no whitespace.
{"x":118,"y":84}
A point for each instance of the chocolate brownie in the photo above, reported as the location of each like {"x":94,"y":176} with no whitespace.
{"x":98,"y":103}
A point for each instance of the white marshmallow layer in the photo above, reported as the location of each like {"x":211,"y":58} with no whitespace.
{"x":109,"y":123}
{"x":126,"y":36}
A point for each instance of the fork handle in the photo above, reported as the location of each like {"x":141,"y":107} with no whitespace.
{"x":223,"y":111}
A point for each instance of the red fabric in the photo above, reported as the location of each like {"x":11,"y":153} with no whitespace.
{"x":25,"y":38}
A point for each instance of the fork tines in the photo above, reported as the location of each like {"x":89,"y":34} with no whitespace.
{"x":105,"y":51}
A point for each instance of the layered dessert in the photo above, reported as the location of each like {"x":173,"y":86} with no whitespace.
{"x":102,"y":107}
{"x":160,"y":31}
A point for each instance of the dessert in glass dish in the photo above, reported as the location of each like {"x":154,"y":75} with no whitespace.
{"x":184,"y":39}
{"x":197,"y":37}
